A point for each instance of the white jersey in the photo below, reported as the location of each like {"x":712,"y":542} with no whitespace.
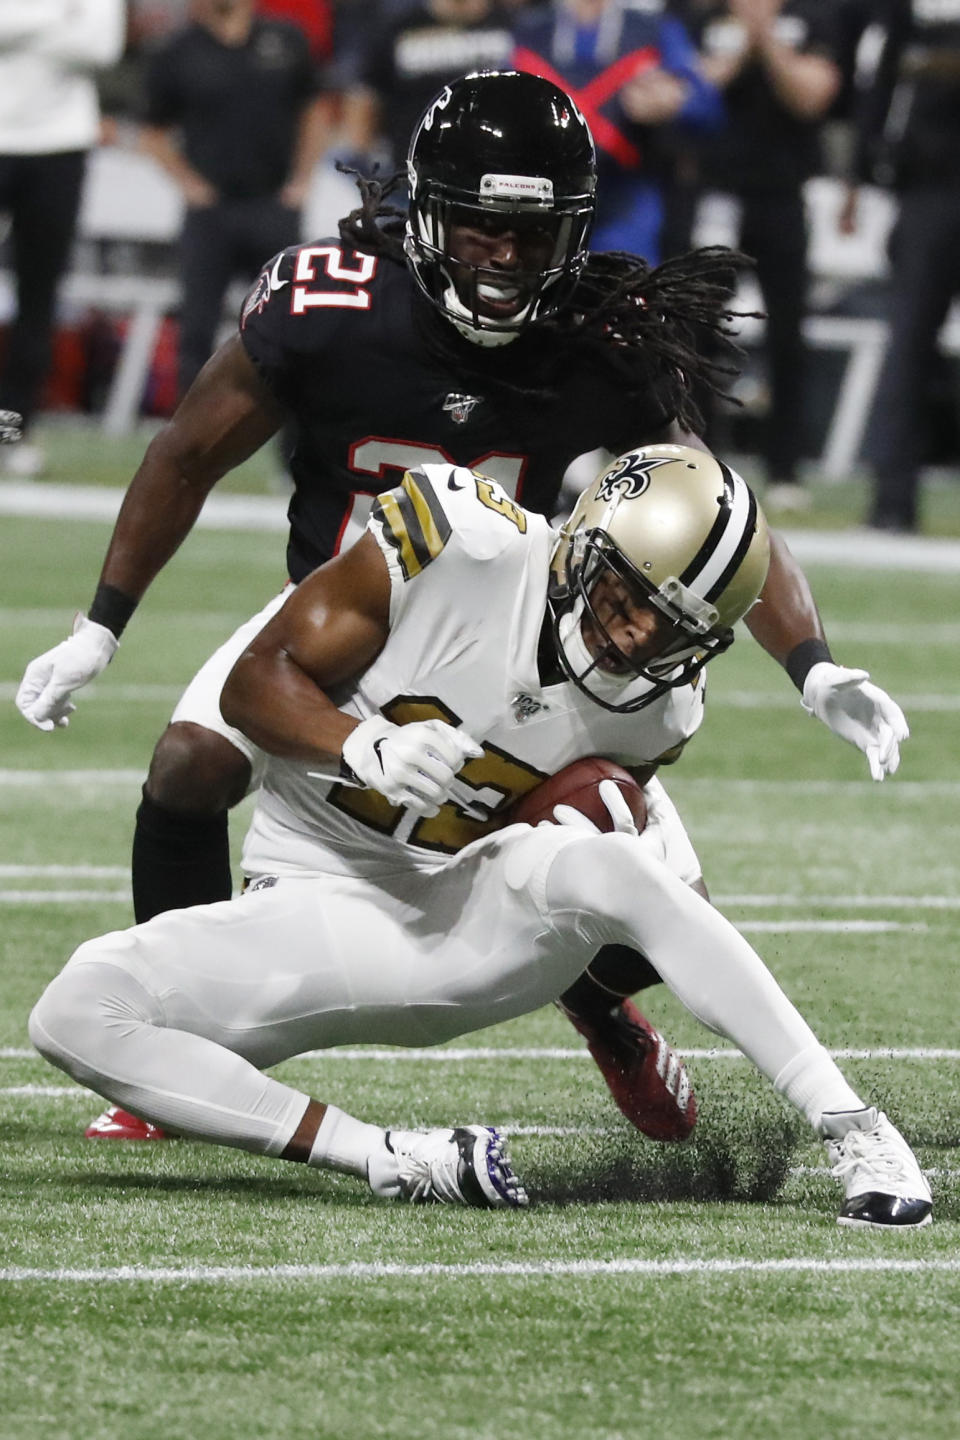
{"x":468,"y":573}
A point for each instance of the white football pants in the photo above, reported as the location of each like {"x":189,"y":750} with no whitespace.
{"x":175,"y":1019}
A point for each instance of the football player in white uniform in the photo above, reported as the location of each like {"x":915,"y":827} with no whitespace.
{"x":407,"y":694}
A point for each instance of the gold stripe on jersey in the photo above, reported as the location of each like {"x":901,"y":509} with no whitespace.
{"x":413,"y":522}
{"x":490,"y":494}
{"x":671,"y":756}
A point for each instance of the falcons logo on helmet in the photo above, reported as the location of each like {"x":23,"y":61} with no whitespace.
{"x":630,"y":477}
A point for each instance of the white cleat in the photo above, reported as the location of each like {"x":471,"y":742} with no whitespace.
{"x":467,"y":1166}
{"x":883,"y":1183}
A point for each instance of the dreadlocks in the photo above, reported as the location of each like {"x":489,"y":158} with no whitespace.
{"x":673,"y":318}
{"x":375,"y":227}
{"x":676,"y":315}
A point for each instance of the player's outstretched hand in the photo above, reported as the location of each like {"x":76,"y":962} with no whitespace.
{"x":411,"y":765}
{"x":858,"y":712}
{"x":616,"y":807}
{"x":50,"y":680}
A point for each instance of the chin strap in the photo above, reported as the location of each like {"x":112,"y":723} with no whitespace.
{"x":461,"y":319}
{"x":486,"y":339}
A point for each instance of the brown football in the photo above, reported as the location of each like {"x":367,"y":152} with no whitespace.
{"x":578,"y":785}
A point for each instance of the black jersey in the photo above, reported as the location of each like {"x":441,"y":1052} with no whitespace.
{"x":376,"y":382}
{"x":908,"y":115}
{"x":238,"y":106}
{"x":764,"y":146}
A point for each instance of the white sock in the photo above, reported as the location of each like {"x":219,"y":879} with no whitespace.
{"x":813,"y":1083}
{"x":343,"y":1143}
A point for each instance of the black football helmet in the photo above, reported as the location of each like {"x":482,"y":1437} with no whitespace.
{"x":499,"y":143}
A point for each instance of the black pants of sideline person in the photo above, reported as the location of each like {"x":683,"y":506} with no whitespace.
{"x":925,"y":264}
{"x":218,"y":243}
{"x":41,"y":194}
{"x":773,"y":230}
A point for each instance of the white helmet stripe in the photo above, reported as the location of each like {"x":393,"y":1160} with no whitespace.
{"x":728,"y":540}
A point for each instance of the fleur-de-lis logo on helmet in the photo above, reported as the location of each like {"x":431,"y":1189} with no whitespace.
{"x":630,"y":476}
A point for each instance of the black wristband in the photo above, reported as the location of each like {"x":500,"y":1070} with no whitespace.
{"x":802,"y":659}
{"x":111,"y":608}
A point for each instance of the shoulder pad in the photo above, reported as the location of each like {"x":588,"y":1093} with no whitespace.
{"x":434,"y":503}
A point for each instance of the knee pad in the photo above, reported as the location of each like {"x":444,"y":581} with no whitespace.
{"x":606,"y":884}
{"x":90,"y":1003}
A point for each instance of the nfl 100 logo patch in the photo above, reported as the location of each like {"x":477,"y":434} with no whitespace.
{"x":459,"y":407}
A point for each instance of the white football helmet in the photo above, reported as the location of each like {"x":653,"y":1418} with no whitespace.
{"x":684,"y":535}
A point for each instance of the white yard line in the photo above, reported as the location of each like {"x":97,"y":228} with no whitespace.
{"x":64,"y":897}
{"x":828,"y":927}
{"x":46,"y":1092}
{"x":507,"y":1127}
{"x":866,"y":632}
{"x":50,"y":779}
{"x":774,"y":699}
{"x":768,"y":900}
{"x":913,"y":635}
{"x":725,"y":785}
{"x":502,"y":1269}
{"x":862,"y":549}
{"x":463,"y":1055}
{"x":12,"y":616}
{"x":119,"y":694}
{"x":45,"y":500}
{"x":64,"y":872}
{"x":851,"y":549}
{"x":775,"y":901}
{"x":748,"y":927}
{"x":778,"y":699}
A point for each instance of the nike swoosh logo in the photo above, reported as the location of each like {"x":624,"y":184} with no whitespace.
{"x":275,"y":282}
{"x":453,"y":484}
{"x":376,"y":748}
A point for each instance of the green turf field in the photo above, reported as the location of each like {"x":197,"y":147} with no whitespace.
{"x":173,"y":1290}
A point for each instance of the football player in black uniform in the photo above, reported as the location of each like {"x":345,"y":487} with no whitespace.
{"x":479,"y":330}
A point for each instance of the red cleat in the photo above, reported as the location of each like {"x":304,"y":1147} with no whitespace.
{"x":117,"y":1124}
{"x":644,"y":1075}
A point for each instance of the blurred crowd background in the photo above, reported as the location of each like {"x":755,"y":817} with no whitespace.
{"x":154,"y":154}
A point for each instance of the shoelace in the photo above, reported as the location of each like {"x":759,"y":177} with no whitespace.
{"x":871,"y":1150}
{"x":417,"y":1175}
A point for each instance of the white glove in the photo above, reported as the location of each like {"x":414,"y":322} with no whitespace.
{"x":411,"y":765}
{"x":858,"y":712}
{"x":616,"y":807}
{"x":50,"y":680}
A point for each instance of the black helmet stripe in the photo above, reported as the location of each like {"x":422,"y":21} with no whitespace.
{"x":742,"y":546}
{"x":722,"y":552}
